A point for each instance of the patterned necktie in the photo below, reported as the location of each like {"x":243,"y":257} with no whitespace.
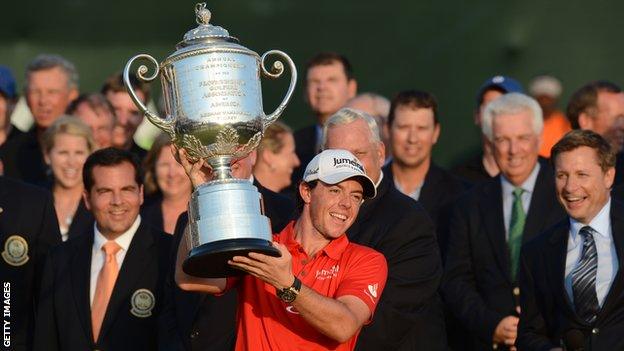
{"x":104,"y":286}
{"x":584,"y":278}
{"x":516,"y":227}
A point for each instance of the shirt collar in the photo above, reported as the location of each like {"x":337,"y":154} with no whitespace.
{"x":380,"y":179}
{"x":600,"y":223}
{"x":333,"y":250}
{"x":123,"y":240}
{"x":527,"y":186}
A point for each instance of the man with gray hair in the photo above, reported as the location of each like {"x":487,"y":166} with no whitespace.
{"x":379,"y":108}
{"x":492,"y":220}
{"x":51,"y":85}
{"x":409,"y":315}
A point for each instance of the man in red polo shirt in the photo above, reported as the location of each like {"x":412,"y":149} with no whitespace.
{"x":323,"y":288}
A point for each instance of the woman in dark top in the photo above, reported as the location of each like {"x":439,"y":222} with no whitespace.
{"x":66,"y":144}
{"x":167,"y":188}
{"x":276,"y":158}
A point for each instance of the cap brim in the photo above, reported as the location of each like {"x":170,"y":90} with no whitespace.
{"x":368,"y":186}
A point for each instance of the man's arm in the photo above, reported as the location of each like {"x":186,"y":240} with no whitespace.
{"x":190,"y":283}
{"x":338,"y":318}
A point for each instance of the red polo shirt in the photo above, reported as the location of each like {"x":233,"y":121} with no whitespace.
{"x":342,"y":268}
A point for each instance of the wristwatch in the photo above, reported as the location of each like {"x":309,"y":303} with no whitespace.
{"x":289,"y":294}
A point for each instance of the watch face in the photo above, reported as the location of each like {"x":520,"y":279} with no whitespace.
{"x":287,"y":295}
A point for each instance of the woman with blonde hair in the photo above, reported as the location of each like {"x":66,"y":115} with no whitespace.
{"x":276,"y":158}
{"x":167,"y":188}
{"x":66,"y":145}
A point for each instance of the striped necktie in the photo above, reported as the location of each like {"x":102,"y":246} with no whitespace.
{"x":516,"y":227}
{"x":584,"y":278}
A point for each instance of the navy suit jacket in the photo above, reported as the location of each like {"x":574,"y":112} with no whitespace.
{"x":438,"y":194}
{"x":547,"y":312}
{"x":409,"y":315}
{"x":64,"y":314}
{"x":477,"y":286}
{"x":28,"y":212}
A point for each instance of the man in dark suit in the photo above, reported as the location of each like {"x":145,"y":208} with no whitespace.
{"x":51,"y":85}
{"x":571,"y":277}
{"x":28,"y":229}
{"x":491,"y":221}
{"x":197,"y":321}
{"x":103,"y":289}
{"x":329,"y":85}
{"x":414,"y":130}
{"x":409,"y":315}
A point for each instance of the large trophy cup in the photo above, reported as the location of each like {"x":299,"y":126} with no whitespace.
{"x":213,"y":106}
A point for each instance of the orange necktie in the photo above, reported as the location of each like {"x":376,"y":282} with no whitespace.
{"x":104,"y":286}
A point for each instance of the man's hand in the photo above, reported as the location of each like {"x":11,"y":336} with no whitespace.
{"x":506,"y":331}
{"x":199,"y":172}
{"x":276,"y":271}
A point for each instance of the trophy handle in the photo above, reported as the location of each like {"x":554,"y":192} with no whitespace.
{"x":166,"y":125}
{"x":276,"y":72}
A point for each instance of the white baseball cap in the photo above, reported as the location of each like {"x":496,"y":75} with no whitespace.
{"x":334,"y":166}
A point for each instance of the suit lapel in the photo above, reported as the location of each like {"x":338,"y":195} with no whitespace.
{"x":617,"y":286}
{"x":80,"y":277}
{"x":559,"y":241}
{"x":137,"y":259}
{"x":492,"y":216}
{"x":427,"y":193}
{"x":542,"y":201}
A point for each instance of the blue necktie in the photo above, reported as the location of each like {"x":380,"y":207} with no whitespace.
{"x":584,"y":278}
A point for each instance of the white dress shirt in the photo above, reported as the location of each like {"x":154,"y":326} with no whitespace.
{"x":607,"y":257}
{"x":508,"y":196}
{"x":98,"y":256}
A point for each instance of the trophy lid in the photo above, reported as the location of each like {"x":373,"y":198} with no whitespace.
{"x":205,"y":32}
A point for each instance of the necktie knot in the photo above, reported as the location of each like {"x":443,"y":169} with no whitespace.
{"x":110,"y":248}
{"x":517,"y":192}
{"x":586,"y":233}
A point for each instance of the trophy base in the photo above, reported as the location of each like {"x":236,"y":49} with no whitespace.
{"x":210,"y":260}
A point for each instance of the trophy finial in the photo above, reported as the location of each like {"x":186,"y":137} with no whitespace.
{"x":202,"y":13}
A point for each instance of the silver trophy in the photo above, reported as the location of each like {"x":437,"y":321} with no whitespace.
{"x":213,"y":106}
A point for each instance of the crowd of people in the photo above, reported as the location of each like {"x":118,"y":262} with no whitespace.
{"x":518,"y":248}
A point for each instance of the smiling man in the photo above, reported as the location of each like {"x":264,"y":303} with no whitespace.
{"x":493,"y":219}
{"x":51,"y":85}
{"x":322,"y":289}
{"x":571,"y":277}
{"x":329,"y":85}
{"x":414,"y":131}
{"x":102,"y":289}
{"x":409,"y":315}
